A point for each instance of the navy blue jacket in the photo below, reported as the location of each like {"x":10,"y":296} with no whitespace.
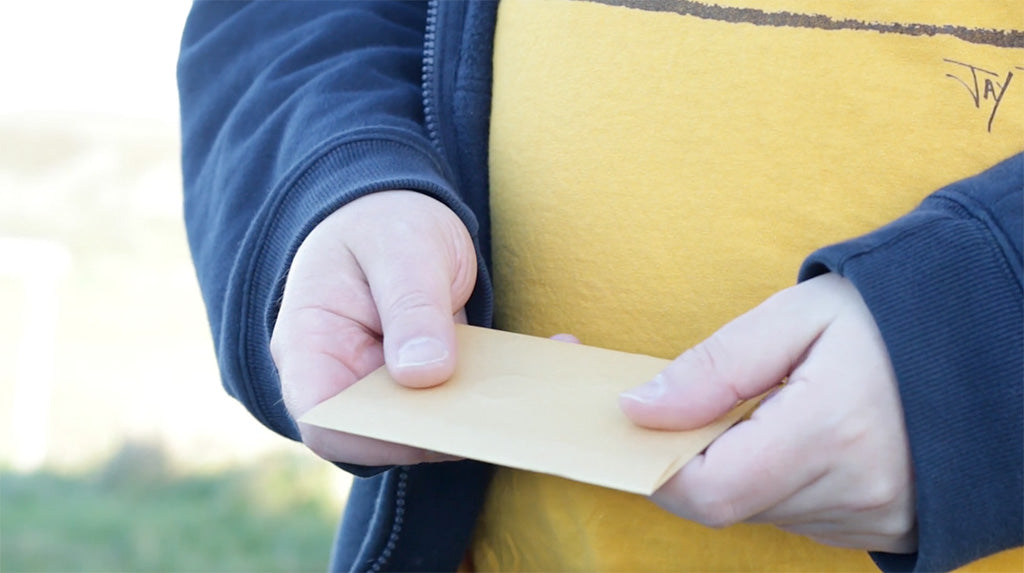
{"x":291,"y":110}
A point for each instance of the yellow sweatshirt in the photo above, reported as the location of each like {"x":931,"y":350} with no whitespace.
{"x":659,"y":168}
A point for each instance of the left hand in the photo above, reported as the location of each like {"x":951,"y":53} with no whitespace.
{"x":826,"y":456}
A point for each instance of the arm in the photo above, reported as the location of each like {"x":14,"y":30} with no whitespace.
{"x":290,"y":110}
{"x":944,"y":286}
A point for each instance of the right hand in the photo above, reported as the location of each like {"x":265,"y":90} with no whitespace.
{"x":381,"y":280}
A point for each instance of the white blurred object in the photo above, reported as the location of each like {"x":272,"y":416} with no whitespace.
{"x":41,"y":265}
{"x":110,"y":57}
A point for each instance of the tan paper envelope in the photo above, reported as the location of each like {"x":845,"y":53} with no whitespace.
{"x":529,"y":403}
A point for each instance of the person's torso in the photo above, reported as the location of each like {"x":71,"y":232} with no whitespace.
{"x":659,"y":168}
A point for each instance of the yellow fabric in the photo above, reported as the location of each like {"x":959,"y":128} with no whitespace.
{"x":655,"y":174}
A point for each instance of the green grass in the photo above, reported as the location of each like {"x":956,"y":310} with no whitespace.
{"x":134,"y":515}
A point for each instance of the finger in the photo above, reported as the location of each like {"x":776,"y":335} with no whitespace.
{"x":807,"y":505}
{"x":743,"y":359}
{"x":837,"y":500}
{"x":416,"y":286}
{"x":414,"y":301}
{"x":318,"y":354}
{"x":754,"y":466}
{"x":341,"y":447}
{"x":832,"y":527}
{"x":864,"y":542}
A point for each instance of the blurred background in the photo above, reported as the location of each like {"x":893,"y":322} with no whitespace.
{"x":118,"y":449}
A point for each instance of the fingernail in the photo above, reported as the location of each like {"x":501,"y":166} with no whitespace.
{"x":648,"y":393}
{"x":420,"y":352}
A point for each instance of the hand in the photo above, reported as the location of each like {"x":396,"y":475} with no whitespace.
{"x":382,"y":279}
{"x":826,"y":456}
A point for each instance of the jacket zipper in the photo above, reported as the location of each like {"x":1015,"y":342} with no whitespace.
{"x":428,"y":83}
{"x":431,"y":120}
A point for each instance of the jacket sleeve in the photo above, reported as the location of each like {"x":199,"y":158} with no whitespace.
{"x":288,"y":111}
{"x":944,"y":285}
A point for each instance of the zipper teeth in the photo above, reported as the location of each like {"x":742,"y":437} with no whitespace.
{"x":396,"y":524}
{"x":429,"y":52}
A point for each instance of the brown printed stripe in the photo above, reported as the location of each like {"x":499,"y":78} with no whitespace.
{"x":1001,"y":38}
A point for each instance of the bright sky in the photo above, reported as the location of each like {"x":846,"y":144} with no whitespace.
{"x":111,"y":57}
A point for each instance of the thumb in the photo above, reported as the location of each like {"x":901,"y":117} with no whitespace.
{"x":744,"y":359}
{"x":420,"y":272}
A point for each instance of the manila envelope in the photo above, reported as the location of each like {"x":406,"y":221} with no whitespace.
{"x":529,"y":403}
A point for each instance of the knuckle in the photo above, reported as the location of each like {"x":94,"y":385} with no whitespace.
{"x":411,"y":301}
{"x":881,"y":492}
{"x":711,"y":355}
{"x":701,"y":356}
